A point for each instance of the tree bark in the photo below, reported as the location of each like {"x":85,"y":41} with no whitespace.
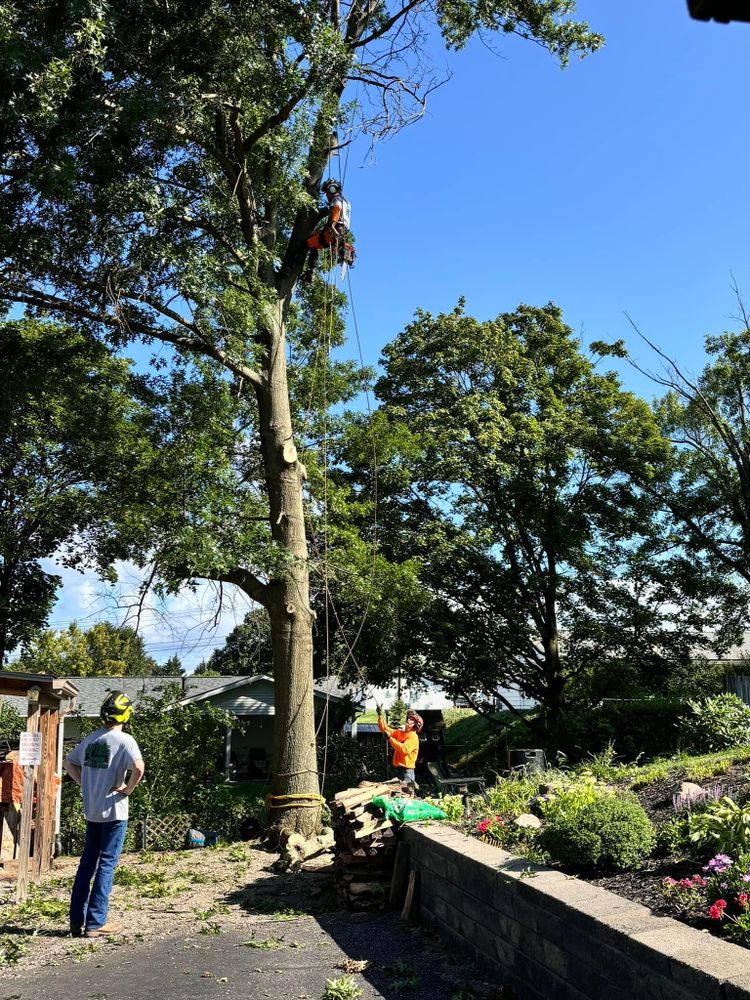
{"x":294,"y":759}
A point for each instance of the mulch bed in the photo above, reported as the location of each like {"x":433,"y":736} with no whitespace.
{"x":656,"y":798}
{"x":643,"y":885}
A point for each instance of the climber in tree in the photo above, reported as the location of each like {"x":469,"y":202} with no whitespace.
{"x":337,"y":218}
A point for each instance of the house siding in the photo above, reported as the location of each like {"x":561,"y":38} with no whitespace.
{"x":255,"y":699}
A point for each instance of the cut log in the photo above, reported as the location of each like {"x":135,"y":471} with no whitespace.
{"x":368,"y":831}
{"x":365,"y":846}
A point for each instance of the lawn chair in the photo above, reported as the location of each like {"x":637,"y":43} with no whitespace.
{"x":456,"y":784}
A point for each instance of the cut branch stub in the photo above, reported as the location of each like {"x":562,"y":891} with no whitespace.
{"x":289,"y":452}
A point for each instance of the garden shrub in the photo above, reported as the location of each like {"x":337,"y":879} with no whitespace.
{"x":12,"y":724}
{"x":512,"y":795}
{"x":607,"y":834}
{"x":715,"y":724}
{"x":451,"y":805}
{"x":722,"y":826}
{"x":645,"y":727}
{"x":347,"y":761}
{"x":225,"y":812}
{"x":570,"y":795}
{"x":673,"y":835}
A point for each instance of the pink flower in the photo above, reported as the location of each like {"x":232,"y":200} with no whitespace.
{"x":686,"y":883}
{"x":698,"y":880}
{"x":669,"y":881}
{"x":721,"y":903}
{"x":715,"y":912}
{"x":743,"y":898}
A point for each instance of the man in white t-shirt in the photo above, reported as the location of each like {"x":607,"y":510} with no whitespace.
{"x":107,"y":765}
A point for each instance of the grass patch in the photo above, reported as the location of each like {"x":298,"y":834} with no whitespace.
{"x":82,"y":952}
{"x":404,"y":978}
{"x":697,"y":768}
{"x":152,"y":885}
{"x":221,"y":909}
{"x":268,"y":944}
{"x":40,"y":909}
{"x":473,"y":742}
{"x":343,"y":988}
{"x":12,"y":949}
{"x":288,"y":913}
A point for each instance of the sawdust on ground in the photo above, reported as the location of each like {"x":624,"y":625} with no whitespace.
{"x":157,"y":895}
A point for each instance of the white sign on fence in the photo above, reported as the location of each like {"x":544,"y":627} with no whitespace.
{"x":30,"y":749}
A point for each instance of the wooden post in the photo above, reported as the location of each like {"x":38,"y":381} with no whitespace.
{"x":27,"y":803}
{"x":42,"y":778}
{"x":59,"y":751}
{"x":400,"y":879}
{"x":412,"y":893}
{"x":50,"y":801}
{"x":46,"y":795}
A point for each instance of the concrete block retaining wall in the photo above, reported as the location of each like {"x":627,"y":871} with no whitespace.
{"x":558,"y":938}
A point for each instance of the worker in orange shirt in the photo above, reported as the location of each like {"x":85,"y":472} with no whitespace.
{"x":338,"y":218}
{"x":405,"y":743}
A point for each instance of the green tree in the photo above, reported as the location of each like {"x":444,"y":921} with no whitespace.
{"x":68,"y":420}
{"x":706,"y":487}
{"x":161,"y":166}
{"x":548,"y":568}
{"x":170,"y":668}
{"x":105,"y":650}
{"x":246,"y":650}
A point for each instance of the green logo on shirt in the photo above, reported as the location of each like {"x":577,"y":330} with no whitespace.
{"x":97,"y":755}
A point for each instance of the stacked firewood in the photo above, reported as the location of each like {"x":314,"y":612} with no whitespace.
{"x":365,"y":845}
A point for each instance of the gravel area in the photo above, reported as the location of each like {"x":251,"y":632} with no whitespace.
{"x":222,"y":923}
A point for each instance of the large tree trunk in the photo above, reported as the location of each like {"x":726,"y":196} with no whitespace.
{"x":294,"y":766}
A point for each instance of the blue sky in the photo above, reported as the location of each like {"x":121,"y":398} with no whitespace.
{"x":620,"y":184}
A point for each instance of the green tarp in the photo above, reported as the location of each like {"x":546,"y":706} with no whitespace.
{"x":407,"y":810}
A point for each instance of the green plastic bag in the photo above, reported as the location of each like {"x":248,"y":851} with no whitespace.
{"x":407,"y":810}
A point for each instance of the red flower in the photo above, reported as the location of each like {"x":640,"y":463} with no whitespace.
{"x":743,"y":898}
{"x":721,"y":903}
{"x":686,"y":883}
{"x":715,"y":912}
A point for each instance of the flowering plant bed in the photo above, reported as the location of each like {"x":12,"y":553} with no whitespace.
{"x":722,"y":894}
{"x":493,"y":830}
{"x":697,"y":867}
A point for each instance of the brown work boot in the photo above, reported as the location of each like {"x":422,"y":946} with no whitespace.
{"x":103,"y":931}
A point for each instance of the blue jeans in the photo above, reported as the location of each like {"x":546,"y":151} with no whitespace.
{"x":405,"y":773}
{"x":89,"y":905}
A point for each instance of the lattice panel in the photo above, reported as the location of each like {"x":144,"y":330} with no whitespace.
{"x":163,"y":833}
